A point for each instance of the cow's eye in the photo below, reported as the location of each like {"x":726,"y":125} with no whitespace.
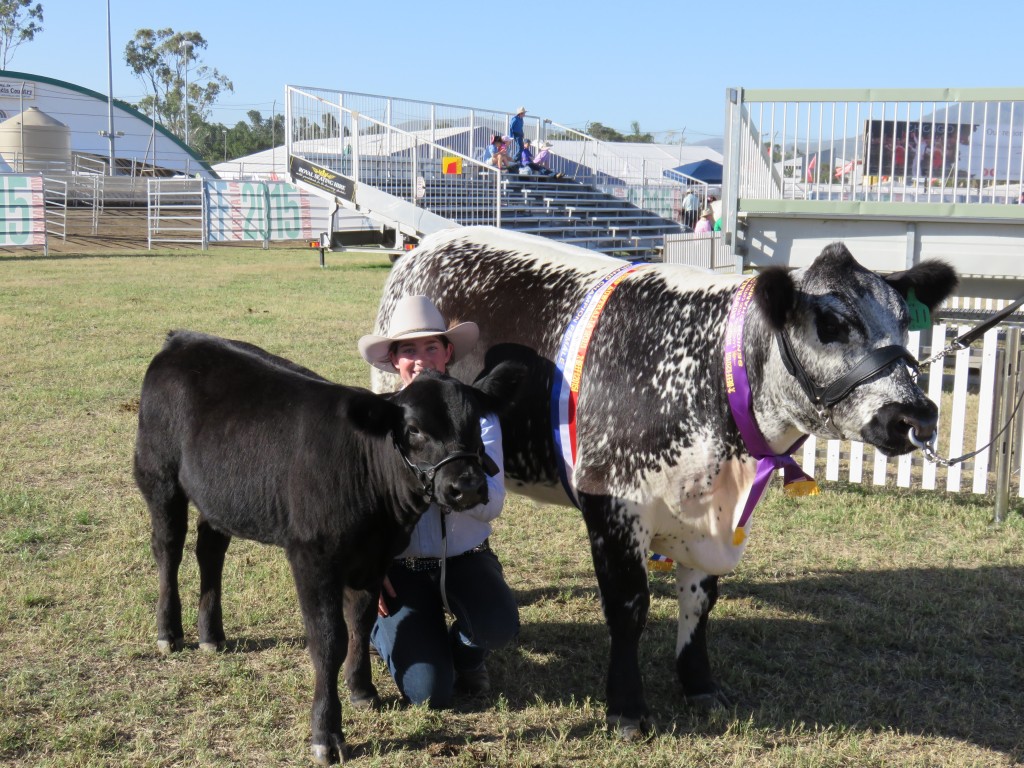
{"x":832,"y":328}
{"x":413,"y":432}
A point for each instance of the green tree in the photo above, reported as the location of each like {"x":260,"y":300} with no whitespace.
{"x":604,"y":133}
{"x":20,"y":21}
{"x":638,"y":137}
{"x":161,"y":59}
{"x":209,"y":139}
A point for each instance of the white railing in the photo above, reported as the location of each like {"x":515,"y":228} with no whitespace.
{"x":883,"y":145}
{"x":176,"y":212}
{"x":467,"y":131}
{"x":704,"y":250}
{"x":418,"y":166}
{"x":55,"y":193}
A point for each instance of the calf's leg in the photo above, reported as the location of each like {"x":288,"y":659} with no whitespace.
{"x":211,"y":545}
{"x":168,"y":514}
{"x":698,"y":594}
{"x":360,"y":613}
{"x":321,"y":596}
{"x":625,"y":596}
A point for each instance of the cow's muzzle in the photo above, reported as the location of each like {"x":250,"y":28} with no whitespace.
{"x":892,"y":426}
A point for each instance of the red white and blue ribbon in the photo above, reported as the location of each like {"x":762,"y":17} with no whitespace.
{"x":741,"y":403}
{"x":569,"y":371}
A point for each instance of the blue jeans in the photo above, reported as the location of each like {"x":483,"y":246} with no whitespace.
{"x":421,"y":651}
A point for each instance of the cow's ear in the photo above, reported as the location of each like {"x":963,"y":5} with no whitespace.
{"x":499,"y":388}
{"x":373,"y":414}
{"x":932,"y":281}
{"x":775,"y":295}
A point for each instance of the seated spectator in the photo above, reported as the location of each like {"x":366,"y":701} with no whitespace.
{"x":707,"y":221}
{"x":496,"y":154}
{"x":526,"y":161}
{"x":544,"y":155}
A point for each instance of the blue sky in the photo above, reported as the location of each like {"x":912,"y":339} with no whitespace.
{"x":663,"y":64}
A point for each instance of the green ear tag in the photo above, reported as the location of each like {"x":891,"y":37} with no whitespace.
{"x":920,"y":315}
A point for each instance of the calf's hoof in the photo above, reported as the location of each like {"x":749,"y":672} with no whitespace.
{"x":628,"y":728}
{"x":709,"y":702}
{"x":330,"y":754}
{"x":211,"y":647}
{"x":372,"y":701}
{"x":167,"y":646}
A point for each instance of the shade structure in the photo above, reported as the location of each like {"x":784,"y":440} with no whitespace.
{"x":707,"y":171}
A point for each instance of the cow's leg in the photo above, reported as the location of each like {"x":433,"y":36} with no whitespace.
{"x":619,"y":557}
{"x":360,"y":613}
{"x":698,"y":593}
{"x":321,"y":596}
{"x":168,"y":514}
{"x":210,"y":548}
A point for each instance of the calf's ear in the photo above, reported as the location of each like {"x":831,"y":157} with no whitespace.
{"x":374,"y":415}
{"x":499,"y":388}
{"x":775,"y":295}
{"x":932,"y":281}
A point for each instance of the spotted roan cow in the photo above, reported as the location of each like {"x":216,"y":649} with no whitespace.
{"x":661,"y":464}
{"x":337,"y":476}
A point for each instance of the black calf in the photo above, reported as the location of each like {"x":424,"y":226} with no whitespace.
{"x":268,"y":450}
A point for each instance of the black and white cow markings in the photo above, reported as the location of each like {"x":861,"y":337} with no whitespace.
{"x":659,"y":462}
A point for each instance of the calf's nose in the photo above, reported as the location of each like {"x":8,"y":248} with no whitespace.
{"x":467,"y":490}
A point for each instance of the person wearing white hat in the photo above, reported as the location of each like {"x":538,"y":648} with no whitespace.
{"x":516,"y":130}
{"x":429,"y":660}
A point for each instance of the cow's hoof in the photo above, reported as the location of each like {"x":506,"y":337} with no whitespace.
{"x":709,"y":702}
{"x":171,"y":645}
{"x":365,"y":702}
{"x":628,"y":728}
{"x":331,"y":754}
{"x":211,"y":647}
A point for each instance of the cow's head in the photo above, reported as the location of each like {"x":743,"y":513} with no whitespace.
{"x":845,"y":327}
{"x":435,"y":425}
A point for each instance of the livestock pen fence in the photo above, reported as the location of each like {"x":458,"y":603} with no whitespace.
{"x":35,"y":210}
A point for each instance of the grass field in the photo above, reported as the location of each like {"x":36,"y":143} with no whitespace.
{"x":866,"y":627}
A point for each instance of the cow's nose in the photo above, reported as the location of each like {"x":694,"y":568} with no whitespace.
{"x":467,"y":490}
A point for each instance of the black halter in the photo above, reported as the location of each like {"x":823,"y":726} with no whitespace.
{"x":823,"y":398}
{"x":426,"y":475}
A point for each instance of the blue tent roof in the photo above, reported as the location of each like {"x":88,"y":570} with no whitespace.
{"x":707,"y":171}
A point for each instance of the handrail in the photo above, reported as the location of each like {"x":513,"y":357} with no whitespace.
{"x":364,"y":140}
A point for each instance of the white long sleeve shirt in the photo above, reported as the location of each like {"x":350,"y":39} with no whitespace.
{"x":469,"y":528}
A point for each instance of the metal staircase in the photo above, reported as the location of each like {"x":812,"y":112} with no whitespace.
{"x":416,"y":180}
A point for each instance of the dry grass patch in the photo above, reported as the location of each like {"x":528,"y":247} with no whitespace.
{"x":865,"y":627}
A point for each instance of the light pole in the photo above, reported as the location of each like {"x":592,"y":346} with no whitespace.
{"x":110,"y":96}
{"x":185,"y":45}
{"x":225,"y":144}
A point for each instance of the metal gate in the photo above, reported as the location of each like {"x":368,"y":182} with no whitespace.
{"x":176,"y":212}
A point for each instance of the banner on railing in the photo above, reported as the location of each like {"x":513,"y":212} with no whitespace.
{"x":22,"y":210}
{"x":335,"y":183}
{"x":262,"y":210}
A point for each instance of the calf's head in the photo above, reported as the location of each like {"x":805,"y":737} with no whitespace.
{"x":840,"y":332}
{"x":435,"y":425}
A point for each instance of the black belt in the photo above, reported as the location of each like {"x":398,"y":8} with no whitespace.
{"x":431,"y":563}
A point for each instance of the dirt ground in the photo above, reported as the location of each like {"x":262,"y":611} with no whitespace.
{"x":117,"y":229}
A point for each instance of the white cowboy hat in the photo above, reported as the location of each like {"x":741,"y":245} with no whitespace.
{"x":416,"y":317}
{"x":545,"y":145}
{"x":521,"y":110}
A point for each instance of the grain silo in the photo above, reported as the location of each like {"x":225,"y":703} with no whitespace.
{"x":32,"y":140}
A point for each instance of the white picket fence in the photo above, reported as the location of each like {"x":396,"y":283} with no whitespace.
{"x":967,"y":402}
